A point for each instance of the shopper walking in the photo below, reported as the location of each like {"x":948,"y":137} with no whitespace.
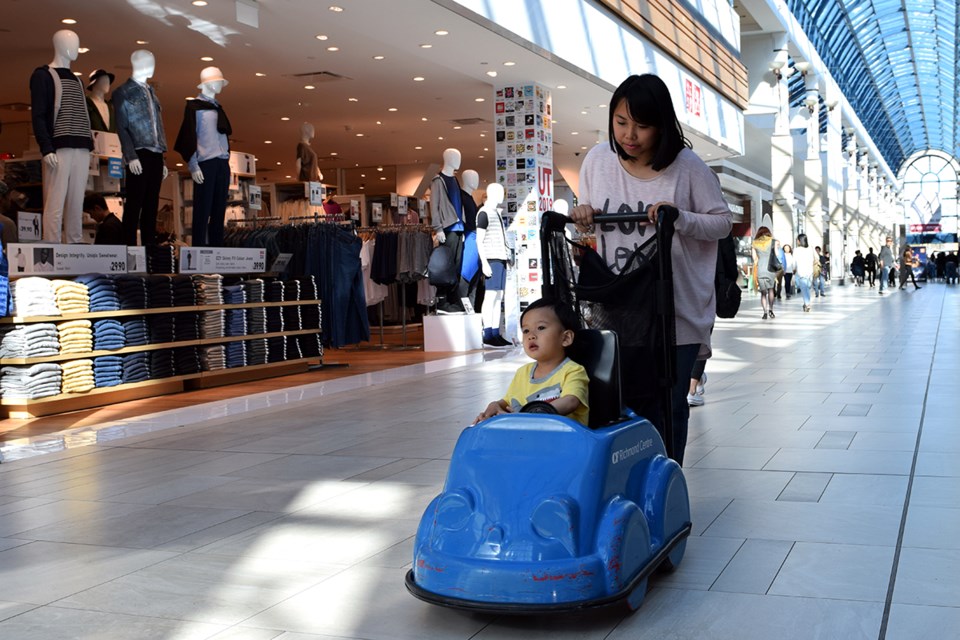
{"x":807,"y":262}
{"x":858,"y":267}
{"x":887,"y":263}
{"x":764,"y":278}
{"x":871,"y":267}
{"x":819,"y":273}
{"x":908,"y":262}
{"x":789,"y":269}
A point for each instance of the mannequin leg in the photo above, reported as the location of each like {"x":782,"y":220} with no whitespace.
{"x":219,"y":205}
{"x":152,"y":179}
{"x":79,"y":160}
{"x":203,"y":195}
{"x":490,"y":312}
{"x":133,"y":204}
{"x":55,"y":183}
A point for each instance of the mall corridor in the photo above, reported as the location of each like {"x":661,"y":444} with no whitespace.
{"x":822,"y":471}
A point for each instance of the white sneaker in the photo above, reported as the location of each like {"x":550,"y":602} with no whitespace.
{"x":694,"y":400}
{"x":701,"y":384}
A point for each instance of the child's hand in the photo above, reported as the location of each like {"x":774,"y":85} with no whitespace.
{"x":493,"y":409}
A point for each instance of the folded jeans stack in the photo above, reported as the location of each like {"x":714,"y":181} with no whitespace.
{"x":213,"y":358}
{"x":78,"y":376}
{"x":161,"y":259}
{"x":184,"y":293}
{"x":310,"y":345}
{"x":308,"y":288}
{"x":161,"y":328}
{"x":186,"y":326}
{"x":292,"y":320}
{"x":76,"y":336}
{"x":236,"y":322}
{"x":291,"y":290}
{"x":209,"y":288}
{"x":107,"y":371}
{"x":30,"y":340}
{"x":256,"y":320}
{"x":293,"y":348}
{"x":132,"y":292}
{"x":36,"y":381}
{"x":136,"y":332}
{"x":102,"y":290}
{"x":257,"y":351}
{"x":108,"y":334}
{"x":234,"y":294}
{"x":212,"y":324}
{"x":236,"y":354}
{"x":136,"y":367}
{"x":255,"y":290}
{"x":34,"y":296}
{"x":186,"y":361}
{"x":71,"y":296}
{"x":162,"y":364}
{"x":274,"y":319}
{"x":159,"y":291}
{"x":275,"y":291}
{"x":276,"y":349}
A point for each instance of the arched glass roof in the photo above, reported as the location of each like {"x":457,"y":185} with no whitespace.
{"x":896,"y":62}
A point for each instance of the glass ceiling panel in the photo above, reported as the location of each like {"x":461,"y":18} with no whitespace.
{"x":896,"y":62}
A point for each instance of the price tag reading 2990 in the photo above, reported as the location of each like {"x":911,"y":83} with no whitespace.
{"x":118,"y":267}
{"x":259,"y":265}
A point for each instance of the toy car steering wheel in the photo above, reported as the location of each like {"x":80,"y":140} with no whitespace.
{"x":538,"y":406}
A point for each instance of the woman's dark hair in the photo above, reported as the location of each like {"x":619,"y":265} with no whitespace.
{"x":763,"y":232}
{"x":567,"y":317}
{"x":802,"y":241}
{"x":649,"y":103}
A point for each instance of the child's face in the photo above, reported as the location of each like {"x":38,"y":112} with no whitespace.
{"x":544,"y":337}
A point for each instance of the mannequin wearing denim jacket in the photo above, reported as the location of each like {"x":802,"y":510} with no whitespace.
{"x":143,"y":143}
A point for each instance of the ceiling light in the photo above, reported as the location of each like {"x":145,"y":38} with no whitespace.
{"x":207,"y":59}
{"x":509,"y":63}
{"x":426,"y":46}
{"x":379,"y":168}
{"x":288,"y":177}
{"x":284,"y":118}
{"x":479,"y":99}
{"x":378,"y":122}
{"x":199,"y":3}
{"x":424,"y":119}
{"x":359,"y":135}
{"x":486,"y":149}
{"x":77,"y":73}
{"x":268,"y":142}
{"x":458,"y":127}
{"x":483,"y":135}
{"x":383,"y":177}
{"x":363,"y":175}
{"x":481,"y":157}
{"x":333,"y":48}
{"x":574,"y":133}
{"x":583,"y":148}
{"x":309,"y":86}
{"x":378,"y":57}
{"x":179,"y":164}
{"x":441,"y":32}
{"x":260,"y":75}
{"x":492,"y":74}
{"x":68,"y":21}
{"x":584,"y":113}
{"x":418,"y":79}
{"x":439,"y":137}
{"x":418,"y":148}
{"x":352,"y":100}
{"x":278,"y":164}
{"x":143,"y":42}
{"x":320,"y":36}
{"x":392,"y":109}
{"x":336,"y":9}
{"x":601,"y":106}
{"x":83,"y":50}
{"x":334,"y":153}
{"x":561,"y":86}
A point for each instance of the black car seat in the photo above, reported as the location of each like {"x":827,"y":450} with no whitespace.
{"x":598,"y":351}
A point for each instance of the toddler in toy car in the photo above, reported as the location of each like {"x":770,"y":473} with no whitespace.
{"x":548,"y":329}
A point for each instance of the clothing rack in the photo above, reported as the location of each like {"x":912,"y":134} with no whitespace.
{"x":265,"y":219}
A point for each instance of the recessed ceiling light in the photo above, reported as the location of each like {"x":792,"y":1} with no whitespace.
{"x":583,"y":113}
{"x":481,"y":157}
{"x":418,"y":147}
{"x":363,"y":175}
{"x":179,"y":164}
{"x":574,"y":133}
{"x":486,"y":148}
{"x":268,"y":142}
{"x":441,"y":32}
{"x":439,"y":137}
{"x":284,"y":118}
{"x":426,"y":46}
{"x":392,"y":109}
{"x":479,"y":99}
{"x":207,"y":59}
{"x":77,"y":73}
{"x":458,"y":127}
{"x":601,"y":106}
{"x":335,"y":8}
{"x":378,"y":122}
{"x":424,"y":119}
{"x":380,"y":169}
{"x":260,"y":75}
{"x":418,"y":79}
{"x":383,"y":177}
{"x":509,"y":63}
{"x":483,"y":135}
{"x":83,"y":50}
{"x":359,"y":135}
{"x":333,"y":48}
{"x":334,"y":153}
{"x":492,"y":74}
{"x":68,"y":21}
{"x":278,"y":164}
{"x":143,"y":42}
{"x":288,"y":177}
{"x":583,"y":148}
{"x":199,"y":3}
{"x":309,"y":86}
{"x":320,"y":36}
{"x":352,"y":100}
{"x":378,"y":57}
{"x":561,"y":86}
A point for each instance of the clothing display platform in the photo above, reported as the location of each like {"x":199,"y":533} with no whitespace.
{"x":454,"y":332}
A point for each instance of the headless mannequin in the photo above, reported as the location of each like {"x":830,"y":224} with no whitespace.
{"x":140,"y":127}
{"x":446,"y":215}
{"x":493,"y":298}
{"x":65,"y":149}
{"x":307,"y":168}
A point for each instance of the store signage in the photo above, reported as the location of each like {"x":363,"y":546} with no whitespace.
{"x":29,"y":226}
{"x":280,"y":264}
{"x":136,"y":259}
{"x":423,"y":209}
{"x":354,"y":209}
{"x":925,"y":228}
{"x":254,"y":198}
{"x":314,"y":193}
{"x":692,"y":98}
{"x":115,"y":168}
{"x":394,"y":200}
{"x":222,"y":260}
{"x":377,"y":210}
{"x":401,"y":207}
{"x":66,"y":259}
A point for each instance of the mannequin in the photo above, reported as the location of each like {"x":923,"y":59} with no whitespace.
{"x":492,"y":247}
{"x":307,"y":167}
{"x":98,"y":107}
{"x":470,"y":267}
{"x":62,"y":128}
{"x":143,"y":142}
{"x":204,"y":143}
{"x":446,"y":215}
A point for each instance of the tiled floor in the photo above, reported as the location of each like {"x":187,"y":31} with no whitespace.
{"x":822,"y":470}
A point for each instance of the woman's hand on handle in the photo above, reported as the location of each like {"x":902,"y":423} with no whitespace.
{"x":653,"y":210}
{"x":582,"y":216}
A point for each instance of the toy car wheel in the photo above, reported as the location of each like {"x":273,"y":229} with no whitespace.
{"x":637,"y":596}
{"x":538,"y":406}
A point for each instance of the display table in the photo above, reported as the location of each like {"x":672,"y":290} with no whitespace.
{"x":456,"y":332}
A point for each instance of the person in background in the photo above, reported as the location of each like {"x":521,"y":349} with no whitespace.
{"x":858,"y":267}
{"x":764,"y":278}
{"x":907,"y":264}
{"x":871,"y":267}
{"x":820,"y":274}
{"x":778,"y":290}
{"x":807,"y":261}
{"x":11,"y":201}
{"x":789,"y":269}
{"x":887,"y":262}
{"x":109,"y":226}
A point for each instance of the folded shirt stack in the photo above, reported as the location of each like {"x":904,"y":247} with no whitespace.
{"x":276,"y":349}
{"x":108,"y":334}
{"x":30,"y":340}
{"x":186,"y":326}
{"x":71,"y":296}
{"x":310,"y":346}
{"x":159,"y":291}
{"x":236,"y":354}
{"x":34,"y":296}
{"x":136,"y":367}
{"x":161,"y":328}
{"x":310,"y":316}
{"x":209,"y":288}
{"x":275,"y":291}
{"x":136,"y":332}
{"x":293,"y":348}
{"x":184,"y":293}
{"x":36,"y":381}
{"x":274,"y":319}
{"x":76,"y":336}
{"x":257,"y":351}
{"x":132,"y":292}
{"x":292,"y":320}
{"x":213,"y":358}
{"x":308,"y":288}
{"x":161,"y":363}
{"x":161,"y":259}
{"x":256,"y":320}
{"x":186,"y":361}
{"x":77,"y":376}
{"x":255,"y":290}
{"x":236,"y":322}
{"x":212,"y":324}
{"x":107,"y":371}
{"x":234,"y":294}
{"x":102,"y":290}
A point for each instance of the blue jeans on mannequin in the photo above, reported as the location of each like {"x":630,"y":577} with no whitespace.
{"x":210,"y":203}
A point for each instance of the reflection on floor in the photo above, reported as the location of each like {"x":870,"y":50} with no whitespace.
{"x":822,"y":471}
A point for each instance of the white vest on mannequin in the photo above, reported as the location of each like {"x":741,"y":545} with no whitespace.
{"x":208,"y":90}
{"x":144,"y":64}
{"x":492,"y":300}
{"x":451,"y":162}
{"x":66,"y":48}
{"x":306,"y":135}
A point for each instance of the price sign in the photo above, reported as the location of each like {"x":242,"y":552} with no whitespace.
{"x":222,"y":260}
{"x":254,"y":198}
{"x":394,"y":200}
{"x":315,"y":193}
{"x":29,"y":226}
{"x":66,"y":259}
{"x":115,"y":168}
{"x":377,"y":210}
{"x":401,"y":207}
{"x":136,"y":259}
{"x":354,"y":209}
{"x":280,"y":264}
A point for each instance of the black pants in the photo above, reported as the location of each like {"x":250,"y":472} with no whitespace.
{"x":210,"y":203}
{"x":143,"y":195}
{"x":450,"y":300}
{"x":788,"y":283}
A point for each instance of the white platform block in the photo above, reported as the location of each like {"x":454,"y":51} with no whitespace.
{"x":460,"y":332}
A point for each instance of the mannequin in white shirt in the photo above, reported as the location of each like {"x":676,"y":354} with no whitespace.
{"x":493,"y":298}
{"x":209,"y":90}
